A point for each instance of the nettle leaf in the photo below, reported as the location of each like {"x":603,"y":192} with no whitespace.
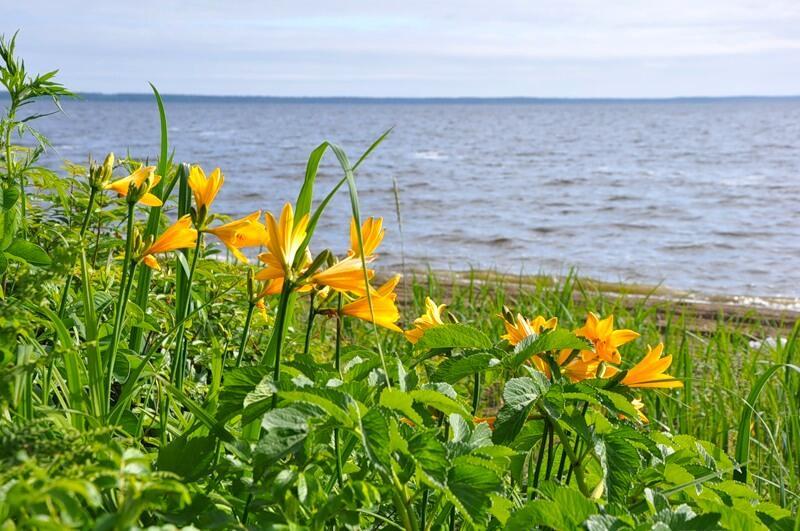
{"x":454,"y":369}
{"x":454,"y":336}
{"x":566,"y":508}
{"x":430,"y":456}
{"x":190,"y":458}
{"x":238,"y":384}
{"x":374,"y":430}
{"x":620,"y":462}
{"x":392,"y":398}
{"x":557,"y":339}
{"x":334,"y":403}
{"x":284,"y":430}
{"x":28,"y":252}
{"x":469,"y":488}
{"x":519,"y":396}
{"x":440,"y":401}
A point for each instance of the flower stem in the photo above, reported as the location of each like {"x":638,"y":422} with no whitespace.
{"x":245,"y":333}
{"x":122,"y":303}
{"x":310,"y":324}
{"x":476,"y":394}
{"x":573,"y":458}
{"x":337,"y":365}
{"x":62,"y":306}
{"x":179,"y":358}
{"x":280,"y":320}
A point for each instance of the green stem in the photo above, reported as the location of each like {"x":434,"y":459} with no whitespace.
{"x":179,"y":358}
{"x":245,"y":333}
{"x":62,"y":306}
{"x":337,"y":365}
{"x":401,"y":504}
{"x":122,"y":303}
{"x":476,"y":394}
{"x":310,"y":324}
{"x":280,"y":320}
{"x":573,"y":459}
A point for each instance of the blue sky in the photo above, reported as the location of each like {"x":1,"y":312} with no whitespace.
{"x":415,"y":48}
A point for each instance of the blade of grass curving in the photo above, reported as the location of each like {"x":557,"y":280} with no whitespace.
{"x":742,"y":453}
{"x":306,"y":196}
{"x":93,"y":359}
{"x":351,"y":185}
{"x":131,"y":384}
{"x":153,"y":219}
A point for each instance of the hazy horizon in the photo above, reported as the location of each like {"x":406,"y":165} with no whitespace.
{"x":551,"y":49}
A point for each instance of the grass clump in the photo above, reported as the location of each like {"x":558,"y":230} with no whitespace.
{"x":146,"y":381}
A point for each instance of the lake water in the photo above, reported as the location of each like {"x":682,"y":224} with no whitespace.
{"x":697,"y":195}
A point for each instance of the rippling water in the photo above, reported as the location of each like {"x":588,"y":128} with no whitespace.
{"x":697,"y":195}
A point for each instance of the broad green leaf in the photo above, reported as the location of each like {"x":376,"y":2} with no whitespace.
{"x":430,"y":456}
{"x":549,"y":341}
{"x":29,"y":252}
{"x":519,"y":396}
{"x":283,"y":430}
{"x":332,"y":402}
{"x":439,"y":401}
{"x":190,"y":458}
{"x":620,"y":462}
{"x":453,"y":336}
{"x":453,"y":369}
{"x":469,"y":488}
{"x":392,"y":398}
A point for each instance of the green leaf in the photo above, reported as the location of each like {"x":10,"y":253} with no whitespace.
{"x":29,"y":252}
{"x":334,"y":403}
{"x":190,"y":458}
{"x":549,"y":341}
{"x":439,"y":401}
{"x":374,"y":430}
{"x":392,"y":398}
{"x":284,"y":430}
{"x":519,"y":396}
{"x":430,"y":456}
{"x":454,"y":336}
{"x":453,"y":369}
{"x":238,"y":384}
{"x":469,"y":488}
{"x":620,"y":462}
{"x":566,"y":509}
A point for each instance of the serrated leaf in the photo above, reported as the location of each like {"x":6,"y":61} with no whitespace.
{"x":454,"y":369}
{"x":553,"y":340}
{"x":519,"y":396}
{"x":283,"y":431}
{"x":190,"y":458}
{"x":396,"y":399}
{"x":453,"y":336}
{"x":439,"y":401}
{"x":430,"y":456}
{"x":469,"y":488}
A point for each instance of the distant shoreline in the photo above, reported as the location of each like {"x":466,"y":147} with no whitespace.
{"x":190,"y":98}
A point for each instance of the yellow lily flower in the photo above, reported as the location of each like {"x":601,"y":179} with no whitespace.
{"x":346,"y":276}
{"x":180,"y":235}
{"x":204,"y":189}
{"x":605,"y":339}
{"x":383,"y":307}
{"x":284,"y":239}
{"x":522,"y":328}
{"x":650,"y":371}
{"x":371,"y":236}
{"x":240,"y":233}
{"x":430,"y":319}
{"x":144,"y":176}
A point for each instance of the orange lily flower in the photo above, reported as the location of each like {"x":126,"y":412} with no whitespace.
{"x":371,"y":236}
{"x":605,"y":339}
{"x":383,"y":306}
{"x":346,"y":276}
{"x":144,"y":176}
{"x":204,"y":189}
{"x":430,"y":319}
{"x":180,"y":235}
{"x":522,"y":328}
{"x":240,"y":233}
{"x":650,"y":371}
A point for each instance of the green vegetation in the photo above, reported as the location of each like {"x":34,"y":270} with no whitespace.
{"x":148,"y":379}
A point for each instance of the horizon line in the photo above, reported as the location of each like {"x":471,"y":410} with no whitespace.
{"x":423,"y":99}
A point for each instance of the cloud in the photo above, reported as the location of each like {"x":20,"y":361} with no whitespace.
{"x":552,"y":48}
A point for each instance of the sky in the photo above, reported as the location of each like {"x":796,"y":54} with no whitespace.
{"x":415,"y":48}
